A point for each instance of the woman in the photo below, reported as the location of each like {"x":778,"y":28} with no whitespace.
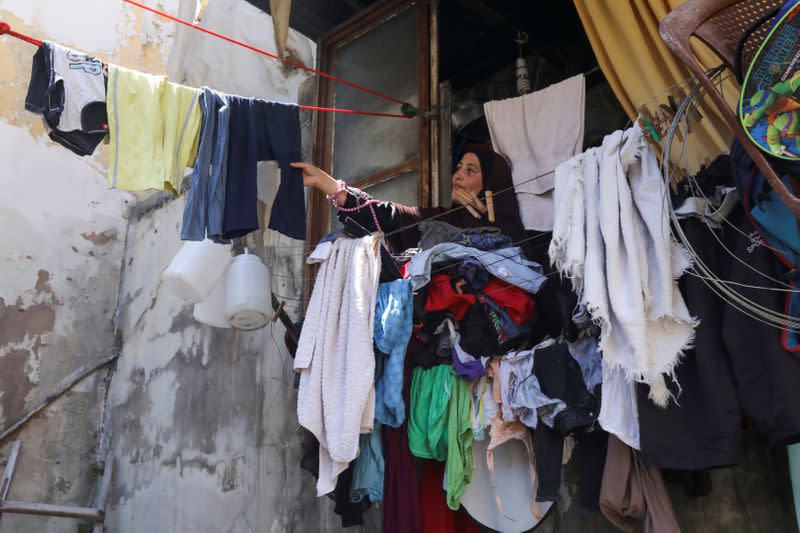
{"x":479,"y":170}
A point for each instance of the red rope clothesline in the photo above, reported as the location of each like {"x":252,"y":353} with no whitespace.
{"x":5,"y":29}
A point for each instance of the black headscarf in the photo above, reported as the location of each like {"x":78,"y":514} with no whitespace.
{"x":496,"y":178}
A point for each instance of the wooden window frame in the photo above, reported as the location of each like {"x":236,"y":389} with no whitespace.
{"x":323,"y":123}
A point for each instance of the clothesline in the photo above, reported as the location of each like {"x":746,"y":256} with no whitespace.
{"x":5,"y":29}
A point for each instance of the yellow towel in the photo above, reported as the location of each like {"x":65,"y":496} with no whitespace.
{"x":154,"y":130}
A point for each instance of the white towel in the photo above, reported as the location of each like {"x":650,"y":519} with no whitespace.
{"x":336,"y":398}
{"x":536,"y":132}
{"x":630,"y":263}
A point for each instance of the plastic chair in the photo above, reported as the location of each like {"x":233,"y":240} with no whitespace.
{"x":721,"y":24}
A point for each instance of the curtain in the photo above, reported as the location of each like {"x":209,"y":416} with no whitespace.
{"x":639,"y":66}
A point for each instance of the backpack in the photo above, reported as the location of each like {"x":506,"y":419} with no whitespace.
{"x":769,"y":102}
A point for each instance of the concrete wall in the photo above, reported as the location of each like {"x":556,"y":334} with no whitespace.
{"x":62,"y":246}
{"x":201,"y":421}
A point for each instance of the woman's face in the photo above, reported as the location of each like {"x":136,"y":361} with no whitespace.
{"x":467,"y":177}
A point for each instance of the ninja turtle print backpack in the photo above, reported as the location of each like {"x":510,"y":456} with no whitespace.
{"x":769,"y":103}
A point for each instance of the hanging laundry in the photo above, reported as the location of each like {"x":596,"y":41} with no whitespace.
{"x":632,"y":494}
{"x":401,"y":512}
{"x":263,"y":131}
{"x":629,"y":265}
{"x":351,"y":513}
{"x":586,"y":354}
{"x":427,"y":421}
{"x":506,"y":330}
{"x":205,"y":205}
{"x":508,"y":264}
{"x":619,"y":413}
{"x":433,"y":232}
{"x":502,"y":431}
{"x":423,"y":347}
{"x":519,"y":304}
{"x":459,"y":441}
{"x":335,"y":358}
{"x":521,"y":392}
{"x":466,"y":365}
{"x":484,"y":405}
{"x":536,"y":132}
{"x":740,"y":367}
{"x":154,"y":130}
{"x":368,"y":470}
{"x":441,"y":297}
{"x":393,"y":323}
{"x":68,"y":88}
{"x":436,"y":517}
{"x":560,"y":378}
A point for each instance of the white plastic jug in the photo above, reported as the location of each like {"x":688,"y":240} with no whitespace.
{"x":248,"y":287}
{"x":211,"y":311}
{"x":196,"y":268}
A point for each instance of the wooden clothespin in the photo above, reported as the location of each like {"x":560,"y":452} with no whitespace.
{"x":490,"y":205}
{"x":465,"y":199}
{"x":278,"y":311}
{"x":477,"y":203}
{"x":664,"y":115}
{"x":649,"y":125}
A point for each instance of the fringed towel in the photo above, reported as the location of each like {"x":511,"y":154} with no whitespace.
{"x":620,"y":255}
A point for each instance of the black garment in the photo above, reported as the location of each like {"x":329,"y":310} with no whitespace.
{"x":739,"y":367}
{"x":589,"y":456}
{"x":352,"y":513}
{"x":478,"y":335}
{"x":262,"y":131}
{"x":424,"y":343}
{"x":766,"y":375}
{"x":548,"y":449}
{"x":559,"y":377}
{"x":701,"y":430}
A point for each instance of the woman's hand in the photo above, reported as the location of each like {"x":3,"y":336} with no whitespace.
{"x":319,"y":179}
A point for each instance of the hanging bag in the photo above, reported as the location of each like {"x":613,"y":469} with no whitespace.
{"x":769,"y":102}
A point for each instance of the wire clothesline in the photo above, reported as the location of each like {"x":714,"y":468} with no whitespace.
{"x":5,"y":29}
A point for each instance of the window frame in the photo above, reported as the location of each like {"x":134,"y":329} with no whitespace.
{"x":323,"y":123}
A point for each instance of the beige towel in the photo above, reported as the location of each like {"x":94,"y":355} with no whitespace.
{"x":537,"y":132}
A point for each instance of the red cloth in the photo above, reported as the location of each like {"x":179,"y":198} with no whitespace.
{"x":436,"y":516}
{"x":442,"y":298}
{"x":518,"y":303}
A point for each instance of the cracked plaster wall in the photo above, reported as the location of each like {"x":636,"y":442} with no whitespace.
{"x":62,"y":244}
{"x":202,"y":421}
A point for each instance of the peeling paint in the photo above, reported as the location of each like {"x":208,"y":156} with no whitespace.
{"x":14,"y":383}
{"x":101,"y":238}
{"x":18,"y":322}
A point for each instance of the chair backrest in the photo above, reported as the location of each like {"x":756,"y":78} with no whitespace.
{"x":721,"y":24}
{"x":739,"y":29}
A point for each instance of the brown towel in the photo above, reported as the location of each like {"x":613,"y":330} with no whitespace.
{"x":631,"y":492}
